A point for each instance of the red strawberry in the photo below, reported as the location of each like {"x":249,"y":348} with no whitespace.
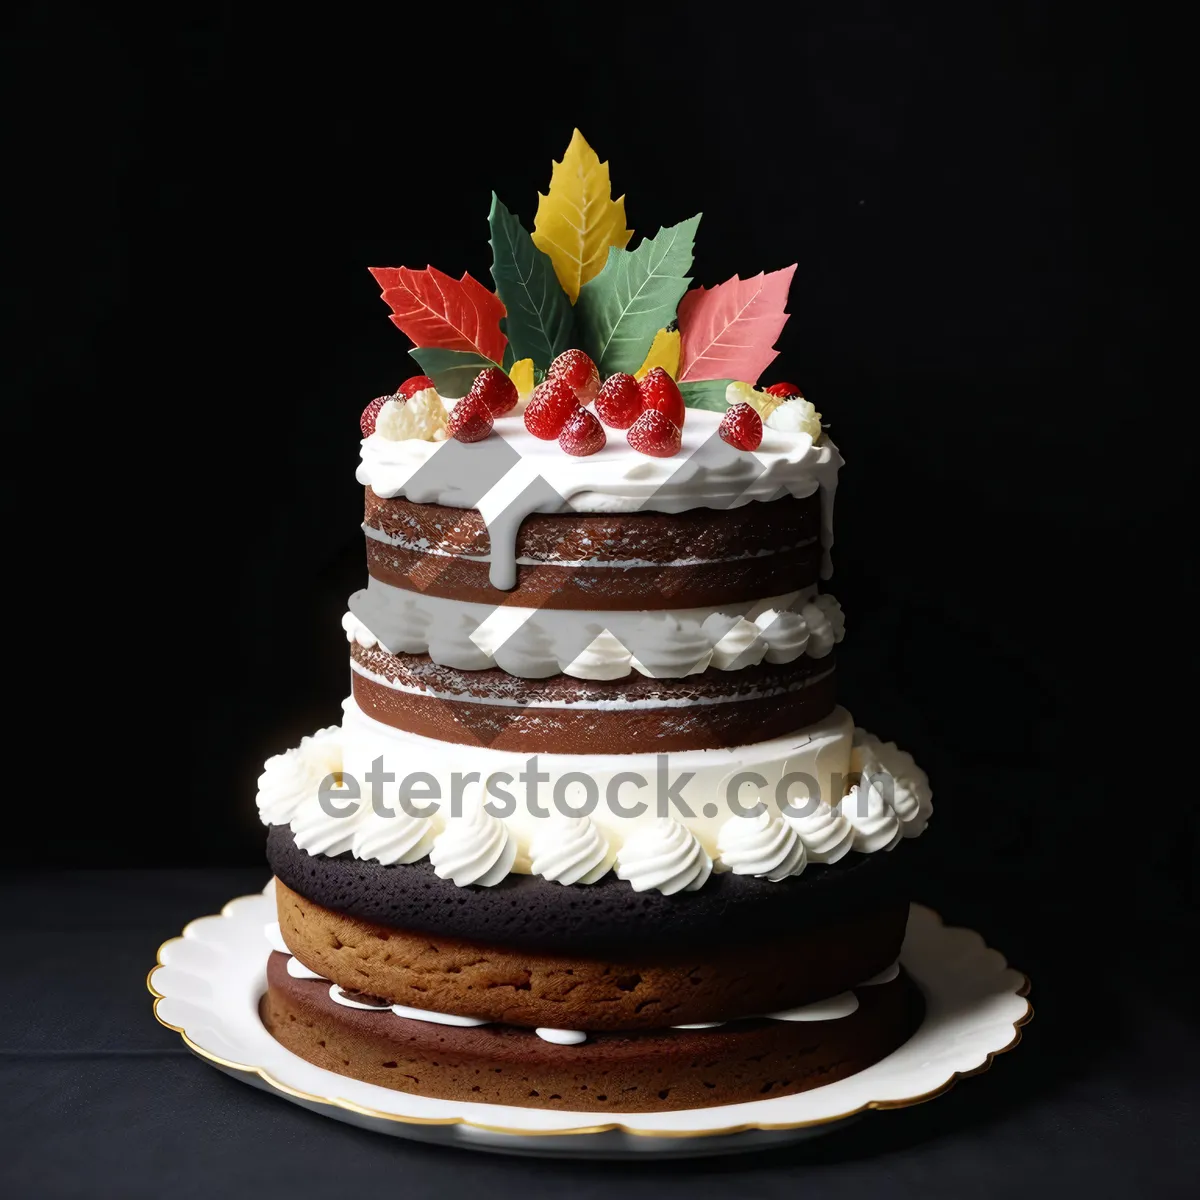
{"x":470,"y":419}
{"x":582,"y":434}
{"x":410,"y":387}
{"x":741,"y":427}
{"x":370,"y":415}
{"x":785,"y":391}
{"x":551,"y":405}
{"x":496,"y":390}
{"x":654,"y":434}
{"x":619,"y":401}
{"x":574,"y":367}
{"x":661,"y":392}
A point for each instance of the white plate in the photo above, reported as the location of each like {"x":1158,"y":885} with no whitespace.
{"x":208,"y":983}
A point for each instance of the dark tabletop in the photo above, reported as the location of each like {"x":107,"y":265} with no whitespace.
{"x":96,"y":1098}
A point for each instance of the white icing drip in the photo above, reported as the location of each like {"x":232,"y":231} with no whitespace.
{"x":335,"y":994}
{"x":474,"y":848}
{"x":706,"y":473}
{"x":316,"y":832}
{"x":400,"y":838}
{"x":561,"y":1037}
{"x":570,"y":850}
{"x":297,"y":970}
{"x":274,"y":936}
{"x":293,"y":777}
{"x":876,"y":826}
{"x":833,"y":1009}
{"x":422,"y":1014}
{"x":666,"y":856}
{"x":884,"y":976}
{"x":825,"y":832}
{"x":762,"y":846}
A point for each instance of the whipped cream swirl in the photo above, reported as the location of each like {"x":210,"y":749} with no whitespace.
{"x":825,"y":832}
{"x":904,"y":784}
{"x":669,"y":648}
{"x":741,"y":645}
{"x":826,"y":624}
{"x":474,"y":848}
{"x":605,"y":657}
{"x":399,"y":838}
{"x":356,"y":631}
{"x":762,"y":846}
{"x":876,"y":826}
{"x":570,"y":850}
{"x":291,"y":778}
{"x":317,"y":832}
{"x":665,"y":856}
{"x":786,"y":634}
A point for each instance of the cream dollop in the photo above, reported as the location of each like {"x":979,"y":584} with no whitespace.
{"x":665,"y":856}
{"x":741,"y":644}
{"x":876,"y":826}
{"x":399,"y":838}
{"x":318,"y":832}
{"x":473,"y":848}
{"x":825,"y":832}
{"x":604,"y":657}
{"x":762,"y":846}
{"x":796,"y":415}
{"x":826,"y":624}
{"x":423,"y":416}
{"x":903,"y":783}
{"x":291,"y":778}
{"x":786,"y":635}
{"x":670,"y":648}
{"x":570,"y":850}
{"x":356,"y":631}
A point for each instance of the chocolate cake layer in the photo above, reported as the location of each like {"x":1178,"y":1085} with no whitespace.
{"x":603,"y":918}
{"x":613,"y":561}
{"x":569,"y":991}
{"x":564,"y":715}
{"x":618,"y":1072}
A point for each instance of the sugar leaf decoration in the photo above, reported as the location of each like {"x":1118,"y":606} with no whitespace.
{"x":452,"y":371}
{"x":437,"y":312}
{"x":705,"y":393}
{"x":663,"y":352}
{"x":729,"y":331}
{"x":539,"y":323}
{"x":578,"y":220}
{"x":637,"y":293}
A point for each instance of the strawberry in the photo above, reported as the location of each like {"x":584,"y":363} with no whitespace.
{"x":582,"y":434}
{"x":370,"y":414}
{"x":741,"y":427}
{"x":470,"y":419}
{"x":785,"y":391}
{"x":496,"y":390}
{"x":410,"y":387}
{"x":661,"y":392}
{"x":550,"y":407}
{"x":654,"y":434}
{"x":574,"y":368}
{"x":619,"y":401}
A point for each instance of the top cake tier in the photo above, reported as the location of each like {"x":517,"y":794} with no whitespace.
{"x":720,"y":545}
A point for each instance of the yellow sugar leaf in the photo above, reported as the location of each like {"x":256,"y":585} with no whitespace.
{"x":664,"y":352}
{"x":579,"y":220}
{"x":521,"y":373}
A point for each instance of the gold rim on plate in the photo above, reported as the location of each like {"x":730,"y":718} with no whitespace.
{"x":579,"y":1130}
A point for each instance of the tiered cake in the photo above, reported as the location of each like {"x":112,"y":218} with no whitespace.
{"x":593,"y":833}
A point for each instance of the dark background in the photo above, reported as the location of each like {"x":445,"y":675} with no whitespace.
{"x":978,"y":198}
{"x":977,"y":205}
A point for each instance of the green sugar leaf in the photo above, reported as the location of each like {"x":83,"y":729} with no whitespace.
{"x":540,"y":323}
{"x":636,"y":294}
{"x":705,"y":393}
{"x":452,"y":371}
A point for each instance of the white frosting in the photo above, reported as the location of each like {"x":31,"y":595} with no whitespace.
{"x":534,"y":643}
{"x":903,"y":783}
{"x":561,"y":1037}
{"x":825,"y":832}
{"x":884,"y":976}
{"x":833,"y":1009}
{"x":422,"y":416}
{"x":706,"y":473}
{"x":876,"y":826}
{"x":666,"y":856}
{"x":274,"y":936}
{"x":335,"y":994}
{"x":795,"y":415}
{"x":399,"y":838}
{"x":297,"y":970}
{"x":317,"y":832}
{"x":474,"y":847}
{"x":290,"y":778}
{"x":570,"y":850}
{"x":423,"y":1014}
{"x":762,"y":846}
